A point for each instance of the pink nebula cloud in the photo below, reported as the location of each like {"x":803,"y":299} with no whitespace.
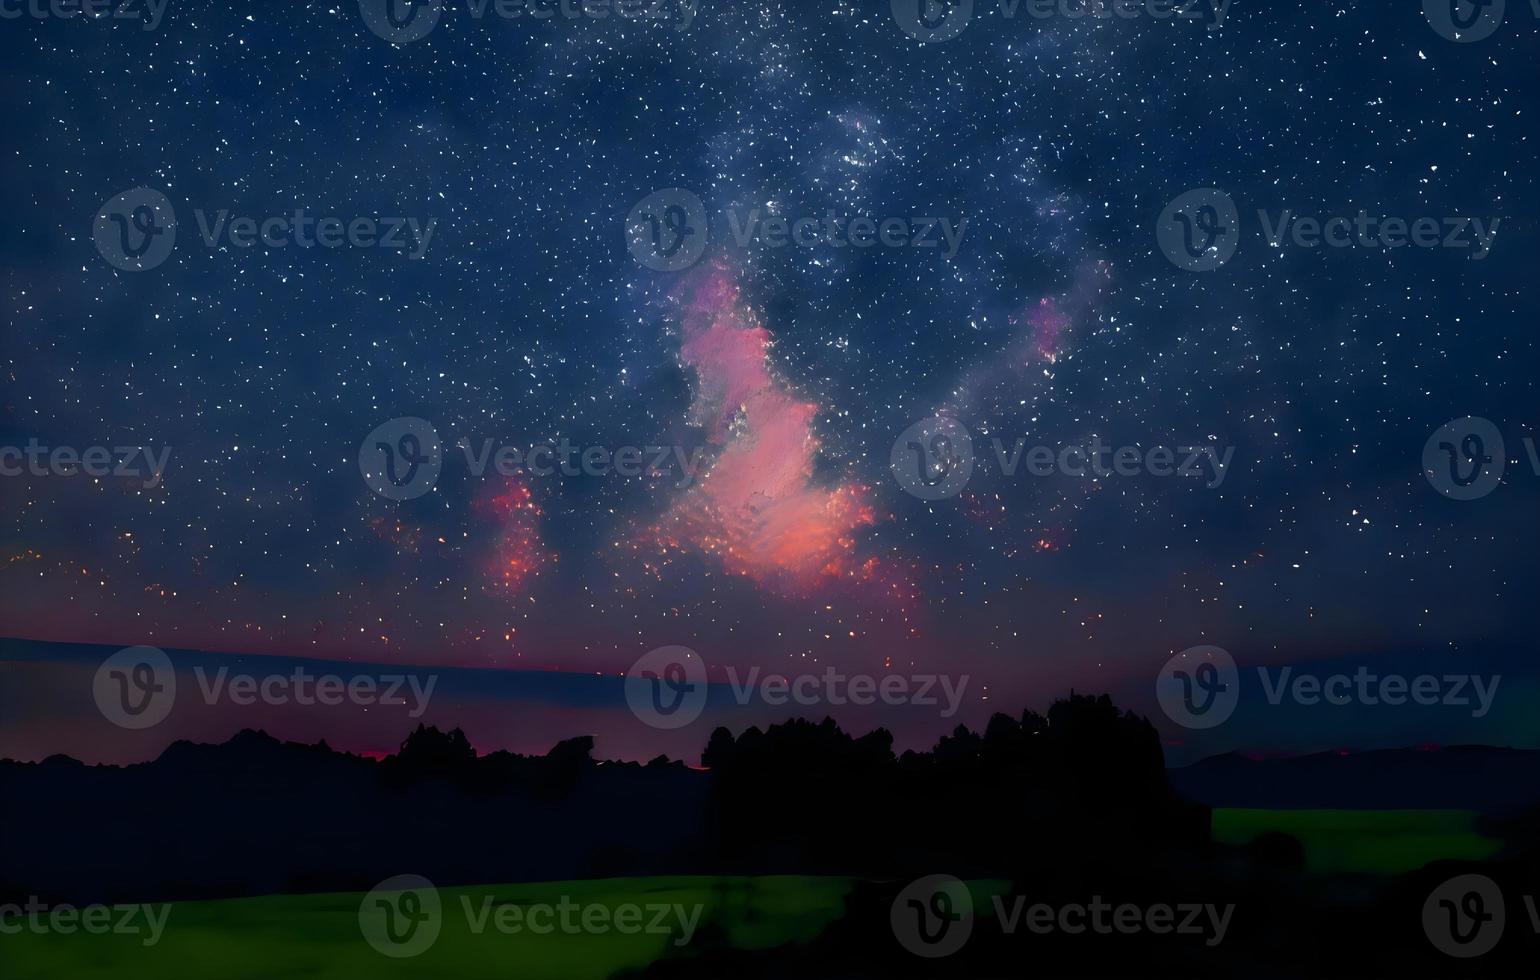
{"x":518,"y":551}
{"x":757,"y":508}
{"x":1048,"y":323}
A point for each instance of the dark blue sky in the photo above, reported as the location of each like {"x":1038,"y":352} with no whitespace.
{"x":526,"y":319}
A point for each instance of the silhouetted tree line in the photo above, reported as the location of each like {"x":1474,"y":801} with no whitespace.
{"x":1064,"y":806}
{"x":1077,"y":783}
{"x":1084,"y":775}
{"x":256,"y":816}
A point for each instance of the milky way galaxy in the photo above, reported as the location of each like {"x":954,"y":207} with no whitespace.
{"x":809,"y":311}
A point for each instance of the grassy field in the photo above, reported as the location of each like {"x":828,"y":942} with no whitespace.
{"x":1374,"y":841}
{"x":318,"y":936}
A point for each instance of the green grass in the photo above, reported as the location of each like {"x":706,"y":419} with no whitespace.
{"x":318,"y":936}
{"x":1373,"y":841}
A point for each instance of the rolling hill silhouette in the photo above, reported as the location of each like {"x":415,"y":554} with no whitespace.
{"x":1471,"y":777}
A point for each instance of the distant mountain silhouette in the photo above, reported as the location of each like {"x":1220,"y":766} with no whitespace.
{"x":1471,"y":777}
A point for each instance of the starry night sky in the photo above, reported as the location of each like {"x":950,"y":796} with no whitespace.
{"x":529,"y":320}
